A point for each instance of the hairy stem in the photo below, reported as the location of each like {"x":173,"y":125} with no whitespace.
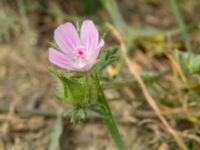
{"x":109,"y":120}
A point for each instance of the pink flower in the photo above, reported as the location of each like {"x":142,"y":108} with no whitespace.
{"x":77,"y":53}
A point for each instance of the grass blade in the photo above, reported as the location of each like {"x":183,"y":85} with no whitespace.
{"x":56,"y":134}
{"x":182,"y":26}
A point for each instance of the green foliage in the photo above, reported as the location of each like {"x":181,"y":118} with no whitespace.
{"x":195,"y":64}
{"x":8,"y":19}
{"x":91,"y":6}
{"x":56,"y":134}
{"x":98,"y":110}
{"x":77,"y":114}
{"x":23,"y":14}
{"x":181,"y":24}
{"x":108,"y":57}
{"x":190,"y":144}
{"x":190,"y":63}
{"x":183,"y":60}
{"x":75,"y":88}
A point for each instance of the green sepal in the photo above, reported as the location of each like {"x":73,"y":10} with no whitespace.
{"x":54,"y":45}
{"x":76,"y":115}
{"x":75,"y":88}
{"x":79,"y":114}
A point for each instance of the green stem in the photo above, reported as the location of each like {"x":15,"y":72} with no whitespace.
{"x":109,"y":120}
{"x":182,"y":26}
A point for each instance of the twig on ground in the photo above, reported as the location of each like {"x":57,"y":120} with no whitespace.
{"x":177,"y":66}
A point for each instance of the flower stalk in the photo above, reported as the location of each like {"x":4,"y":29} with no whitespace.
{"x":109,"y":120}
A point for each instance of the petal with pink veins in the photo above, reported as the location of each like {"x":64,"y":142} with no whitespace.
{"x":95,"y":52}
{"x":60,"y":59}
{"x":86,"y":67}
{"x":67,"y":38}
{"x":89,"y":35}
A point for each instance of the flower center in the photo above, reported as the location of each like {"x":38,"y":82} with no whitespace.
{"x":80,"y":52}
{"x":80,"y":56}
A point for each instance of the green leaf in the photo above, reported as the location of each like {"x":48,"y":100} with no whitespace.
{"x":184,"y":60}
{"x":108,"y":57}
{"x":56,"y":134}
{"x":195,"y":64}
{"x":190,"y":63}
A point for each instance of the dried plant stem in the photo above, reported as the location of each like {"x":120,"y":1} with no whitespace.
{"x":131,"y":66}
{"x":177,"y":66}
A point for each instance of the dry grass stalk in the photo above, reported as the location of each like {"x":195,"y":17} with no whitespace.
{"x":131,"y":66}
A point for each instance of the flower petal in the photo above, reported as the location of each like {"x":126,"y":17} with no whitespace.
{"x":87,"y":67}
{"x":66,"y":37}
{"x":89,"y":35}
{"x":96,"y":51}
{"x":60,"y":59}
